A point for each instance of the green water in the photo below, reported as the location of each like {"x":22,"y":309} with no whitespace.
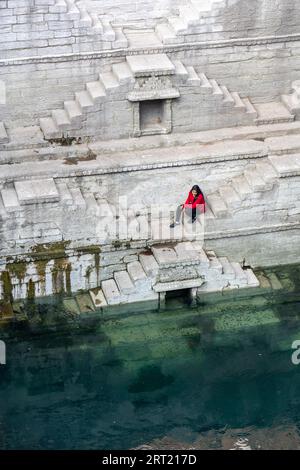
{"x":183,"y":375}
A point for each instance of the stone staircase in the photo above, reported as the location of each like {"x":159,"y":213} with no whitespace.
{"x":121,"y":77}
{"x":171,"y":267}
{"x":70,"y":118}
{"x":190,"y":20}
{"x":258,"y":178}
{"x":91,"y":22}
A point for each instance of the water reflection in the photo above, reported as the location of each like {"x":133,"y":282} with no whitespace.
{"x":201,"y":378}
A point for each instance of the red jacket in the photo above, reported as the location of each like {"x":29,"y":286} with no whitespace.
{"x":190,"y":202}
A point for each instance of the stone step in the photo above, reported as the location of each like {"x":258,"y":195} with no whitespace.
{"x":193,"y":78}
{"x":217,"y":205}
{"x":273,"y":112}
{"x":149,"y":64}
{"x":216,"y":89}
{"x":108,"y":31}
{"x":166,"y":34}
{"x":60,"y":6}
{"x":96,"y":90}
{"x":64,"y":193}
{"x":189,"y":14}
{"x":96,"y":23}
{"x":252,"y":280}
{"x":36,"y":191}
{"x":242,"y":187}
{"x":204,"y":5}
{"x":250,"y":108}
{"x":291,"y":102}
{"x":177,"y":285}
{"x":73,"y":110}
{"x":111,"y":292}
{"x":149,"y":264}
{"x":109,"y":81}
{"x":239,"y":103}
{"x":205,"y":83}
{"x":121,"y":41}
{"x":123,"y":73}
{"x":136,"y":271}
{"x":204,"y":261}
{"x":267,"y":171}
{"x":85,"y":19}
{"x":78,"y":199}
{"x":178,"y":25}
{"x":50,"y":129}
{"x":85,"y":303}
{"x":73,"y":12}
{"x":10,"y":200}
{"x":240,"y":275}
{"x":180,"y":70}
{"x":84,"y":99}
{"x":227,"y":95}
{"x":274,"y":281}
{"x":286,"y":165}
{"x":3,"y":134}
{"x":229,"y":195}
{"x":98,"y":297}
{"x":124,"y":282}
{"x":185,"y":251}
{"x":254,"y":179}
{"x":164,"y":254}
{"x":283,"y":144}
{"x":214,"y":262}
{"x":61,"y":118}
{"x":263,"y":280}
{"x":227,"y":268}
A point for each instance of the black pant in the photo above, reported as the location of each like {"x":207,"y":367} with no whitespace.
{"x":191,"y":212}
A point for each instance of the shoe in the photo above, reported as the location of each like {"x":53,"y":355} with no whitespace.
{"x":174,"y":224}
{"x":194,"y":220}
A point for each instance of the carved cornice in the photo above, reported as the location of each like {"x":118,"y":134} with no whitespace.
{"x":172,"y":48}
{"x":152,"y":88}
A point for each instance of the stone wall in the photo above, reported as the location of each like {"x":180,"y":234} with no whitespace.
{"x":261,"y":72}
{"x":47,"y":27}
{"x":50,"y":247}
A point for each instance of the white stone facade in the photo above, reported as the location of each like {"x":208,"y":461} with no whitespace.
{"x":138,"y":101}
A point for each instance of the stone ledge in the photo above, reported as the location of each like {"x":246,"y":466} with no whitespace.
{"x":151,"y":50}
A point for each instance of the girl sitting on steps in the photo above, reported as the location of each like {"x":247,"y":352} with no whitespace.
{"x":194,"y":204}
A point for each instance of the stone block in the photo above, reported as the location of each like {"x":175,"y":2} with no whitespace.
{"x":36,"y":191}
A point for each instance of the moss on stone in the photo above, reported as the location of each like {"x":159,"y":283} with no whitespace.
{"x":17,"y":269}
{"x":7,"y":286}
{"x":30,"y":290}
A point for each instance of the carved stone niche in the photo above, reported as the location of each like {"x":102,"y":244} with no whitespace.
{"x":152,"y":105}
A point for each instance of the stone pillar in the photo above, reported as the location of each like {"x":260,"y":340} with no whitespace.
{"x":161,"y":300}
{"x":193,"y":296}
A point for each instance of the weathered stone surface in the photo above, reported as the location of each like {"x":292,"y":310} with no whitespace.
{"x":145,"y":65}
{"x":36,"y":191}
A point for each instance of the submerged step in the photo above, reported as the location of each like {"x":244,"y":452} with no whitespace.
{"x":124,"y":282}
{"x":111,"y":291}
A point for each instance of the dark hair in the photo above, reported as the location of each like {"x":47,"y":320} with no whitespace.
{"x":196,"y":188}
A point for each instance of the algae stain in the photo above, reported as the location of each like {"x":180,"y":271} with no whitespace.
{"x":30,"y":290}
{"x":7,"y":286}
{"x":97,"y":266}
